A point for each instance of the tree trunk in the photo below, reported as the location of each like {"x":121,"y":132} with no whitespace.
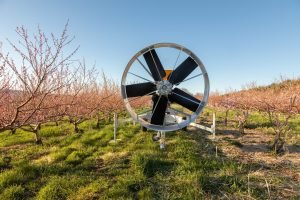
{"x":38,"y":139}
{"x":226,"y":117}
{"x":242,"y":121}
{"x":241,"y":127}
{"x":98,"y":122}
{"x":56,"y":123}
{"x":279,"y":145}
{"x":76,"y":127}
{"x":13,"y":130}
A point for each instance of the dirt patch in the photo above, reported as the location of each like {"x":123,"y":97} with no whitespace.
{"x":253,"y":149}
{"x":256,"y":145}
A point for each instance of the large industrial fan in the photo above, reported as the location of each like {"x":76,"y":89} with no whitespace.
{"x":155,"y":87}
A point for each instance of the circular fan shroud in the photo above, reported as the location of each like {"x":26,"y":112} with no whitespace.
{"x":183,"y":123}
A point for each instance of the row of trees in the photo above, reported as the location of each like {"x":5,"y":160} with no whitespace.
{"x":279,"y":103}
{"x":43,"y":82}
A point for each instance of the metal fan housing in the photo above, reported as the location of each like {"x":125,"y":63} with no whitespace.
{"x":164,"y":88}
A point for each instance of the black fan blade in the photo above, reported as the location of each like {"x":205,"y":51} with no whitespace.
{"x":154,"y":64}
{"x":183,"y":70}
{"x":140,"y":89}
{"x":159,"y":109}
{"x":154,"y":99}
{"x":184,"y":99}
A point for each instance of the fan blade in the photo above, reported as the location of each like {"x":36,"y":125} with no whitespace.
{"x":184,"y":99}
{"x":140,"y":89}
{"x":154,"y":99}
{"x":183,"y":70}
{"x":154,"y":64}
{"x":159,"y":109}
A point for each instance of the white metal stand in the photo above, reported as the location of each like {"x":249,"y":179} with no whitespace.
{"x":211,"y":129}
{"x":161,"y":135}
{"x":162,"y":141}
{"x":213,"y":126}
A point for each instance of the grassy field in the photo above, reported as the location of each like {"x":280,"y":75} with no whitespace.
{"x":193,"y":165}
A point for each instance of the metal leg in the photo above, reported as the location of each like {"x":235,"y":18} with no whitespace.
{"x":162,"y":140}
{"x":157,"y":137}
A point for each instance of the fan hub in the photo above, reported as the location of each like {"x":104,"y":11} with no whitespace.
{"x":164,"y":87}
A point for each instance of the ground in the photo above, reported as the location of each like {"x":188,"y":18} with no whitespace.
{"x":281,"y":173}
{"x":194,"y":165}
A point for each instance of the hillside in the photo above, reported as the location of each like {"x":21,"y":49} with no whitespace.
{"x":293,"y":84}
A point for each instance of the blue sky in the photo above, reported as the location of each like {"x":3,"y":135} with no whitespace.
{"x":238,"y":41}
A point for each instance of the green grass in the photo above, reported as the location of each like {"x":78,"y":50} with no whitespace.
{"x":21,"y":174}
{"x":14,"y":192}
{"x":20,"y":137}
{"x":91,"y":166}
{"x":60,"y":187}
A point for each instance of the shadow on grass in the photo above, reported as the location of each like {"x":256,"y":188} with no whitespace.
{"x":232,"y":132}
{"x":255,"y":125}
{"x":293,"y":148}
{"x":155,"y":166}
{"x":265,"y":148}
